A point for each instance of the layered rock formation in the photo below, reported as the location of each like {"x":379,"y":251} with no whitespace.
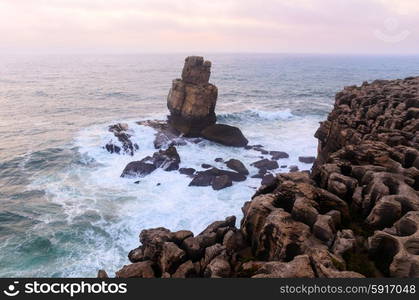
{"x":356,"y":214}
{"x":192,"y":99}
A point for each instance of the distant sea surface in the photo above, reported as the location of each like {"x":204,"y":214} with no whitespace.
{"x":65,"y":211}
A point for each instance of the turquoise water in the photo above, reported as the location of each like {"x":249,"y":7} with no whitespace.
{"x":64,"y":210}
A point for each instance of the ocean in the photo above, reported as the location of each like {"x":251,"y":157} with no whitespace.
{"x":64,"y":209}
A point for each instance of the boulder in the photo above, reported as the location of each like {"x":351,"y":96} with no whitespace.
{"x":266,"y":164}
{"x":138,"y":169}
{"x":171,"y":257}
{"x":207,"y":177}
{"x":221,"y":182}
{"x":101,"y":274}
{"x":141,"y":269}
{"x":187,"y":171}
{"x":307,"y":159}
{"x":167,"y":160}
{"x":237,"y":166}
{"x":278,"y":155}
{"x":225,"y":134}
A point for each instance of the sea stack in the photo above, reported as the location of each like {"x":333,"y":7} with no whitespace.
{"x":191,"y":102}
{"x":192,"y":99}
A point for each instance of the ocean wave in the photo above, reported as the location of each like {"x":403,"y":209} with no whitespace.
{"x":257,"y":115}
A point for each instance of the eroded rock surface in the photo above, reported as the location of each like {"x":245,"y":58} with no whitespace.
{"x":356,"y":214}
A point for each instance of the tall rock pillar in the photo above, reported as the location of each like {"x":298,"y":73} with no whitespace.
{"x":192,"y":99}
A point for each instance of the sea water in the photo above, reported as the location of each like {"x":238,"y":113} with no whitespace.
{"x":64,"y":209}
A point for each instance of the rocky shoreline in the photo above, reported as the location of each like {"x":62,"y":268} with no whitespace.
{"x":356,"y":214}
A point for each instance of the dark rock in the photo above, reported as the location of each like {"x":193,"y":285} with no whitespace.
{"x":206,"y":166}
{"x":101,"y":274}
{"x":268,"y":179}
{"x":120,"y":132}
{"x":138,"y":169}
{"x":225,"y":134}
{"x":168,"y":159}
{"x":141,"y":269}
{"x":221,"y":182}
{"x":237,"y":166}
{"x":266,"y":164}
{"x":187,"y":171}
{"x":278,"y":154}
{"x":293,"y":168}
{"x":206,"y":178}
{"x":219,"y":159}
{"x":111,"y":148}
{"x":307,"y":159}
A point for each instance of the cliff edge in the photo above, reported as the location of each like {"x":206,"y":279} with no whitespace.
{"x":355,"y":215}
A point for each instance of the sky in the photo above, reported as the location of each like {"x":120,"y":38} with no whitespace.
{"x":164,"y":26}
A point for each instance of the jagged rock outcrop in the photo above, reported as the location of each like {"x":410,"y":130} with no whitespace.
{"x":120,"y":131}
{"x":355,"y":214}
{"x":167,"y":160}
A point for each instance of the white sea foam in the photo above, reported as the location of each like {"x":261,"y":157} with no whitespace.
{"x":113,"y":210}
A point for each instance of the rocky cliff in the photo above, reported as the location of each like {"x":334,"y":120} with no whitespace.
{"x":356,"y":214}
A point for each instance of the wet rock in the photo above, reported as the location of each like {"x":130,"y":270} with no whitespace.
{"x":237,"y":166}
{"x":268,"y":179}
{"x":206,"y":178}
{"x":266,"y":164}
{"x":278,"y":155}
{"x":221,"y":182}
{"x":138,"y":169}
{"x":206,"y":166}
{"x":101,"y":274}
{"x":219,"y":159}
{"x":167,"y":160}
{"x":120,"y":131}
{"x":225,"y":134}
{"x":307,"y":159}
{"x":187,"y":171}
{"x":293,"y":168}
{"x":141,"y":269}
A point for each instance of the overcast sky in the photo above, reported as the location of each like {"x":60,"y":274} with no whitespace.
{"x":135,"y":26}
